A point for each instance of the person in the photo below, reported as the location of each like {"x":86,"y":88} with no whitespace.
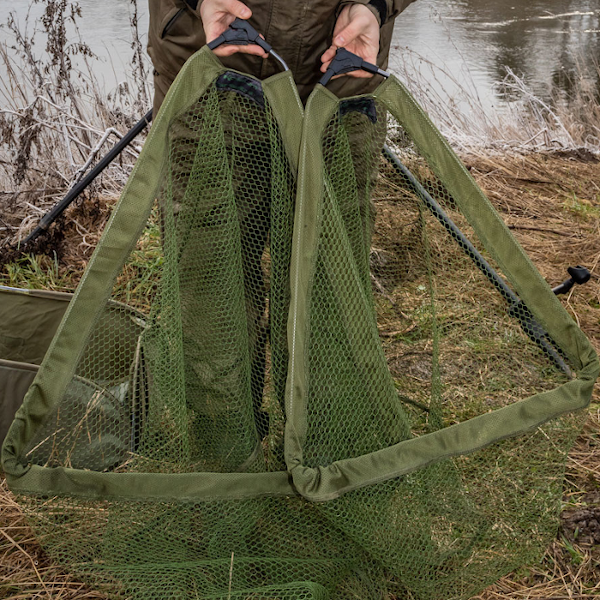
{"x":306,"y":35}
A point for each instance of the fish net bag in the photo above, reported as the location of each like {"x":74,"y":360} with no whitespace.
{"x":307,"y":360}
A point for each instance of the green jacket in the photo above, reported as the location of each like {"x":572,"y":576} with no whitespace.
{"x":299,"y":31}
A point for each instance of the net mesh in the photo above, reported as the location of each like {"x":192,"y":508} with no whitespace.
{"x":398,"y":273}
{"x":408,"y":333}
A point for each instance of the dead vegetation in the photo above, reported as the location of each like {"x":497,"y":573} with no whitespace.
{"x":57,"y":121}
{"x":569,"y":569}
{"x":25,"y":572}
{"x":552,"y":204}
{"x":527,"y":124}
{"x":550,"y":200}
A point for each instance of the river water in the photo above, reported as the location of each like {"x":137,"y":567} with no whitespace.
{"x":549,"y":43}
{"x":471,"y":42}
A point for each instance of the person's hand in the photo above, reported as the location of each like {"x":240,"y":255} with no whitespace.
{"x":217,"y":16}
{"x":357,"y":30}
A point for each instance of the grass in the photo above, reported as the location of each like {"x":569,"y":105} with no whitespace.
{"x":533,"y":193}
{"x":585,"y":209}
{"x":537,"y":196}
{"x":137,"y":284}
{"x":62,"y":270}
{"x":38,"y":272}
{"x":528,"y":124}
{"x":550,"y":200}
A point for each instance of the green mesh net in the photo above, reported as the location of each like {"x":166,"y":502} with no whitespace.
{"x":336,"y":374}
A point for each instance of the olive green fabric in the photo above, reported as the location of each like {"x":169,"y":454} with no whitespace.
{"x":310,"y":389}
{"x":29,"y":321}
{"x":15,"y":379}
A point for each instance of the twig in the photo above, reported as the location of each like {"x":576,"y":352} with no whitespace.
{"x":230,"y":577}
{"x":95,"y":150}
{"x":542,"y":229}
{"x":67,"y":144}
{"x":381,"y":289}
{"x":16,"y":545}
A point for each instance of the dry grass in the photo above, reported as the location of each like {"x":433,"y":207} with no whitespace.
{"x":25,"y":573}
{"x":57,"y":120}
{"x":528,"y":123}
{"x":552,"y":204}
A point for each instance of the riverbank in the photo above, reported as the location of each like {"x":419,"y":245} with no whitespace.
{"x":551,"y":202}
{"x":538,"y":165}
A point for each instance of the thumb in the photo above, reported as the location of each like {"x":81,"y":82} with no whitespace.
{"x":236,"y":8}
{"x":350,"y":32}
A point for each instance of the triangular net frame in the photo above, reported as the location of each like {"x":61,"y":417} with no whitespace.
{"x":289,"y":372}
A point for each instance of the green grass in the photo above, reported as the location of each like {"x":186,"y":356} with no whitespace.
{"x":583,"y":208}
{"x":135,"y":285}
{"x":38,"y":272}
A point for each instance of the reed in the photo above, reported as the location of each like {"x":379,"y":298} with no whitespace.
{"x":566,"y":122}
{"x":56,"y":119}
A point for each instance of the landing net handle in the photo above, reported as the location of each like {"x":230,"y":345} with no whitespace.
{"x":241,"y":33}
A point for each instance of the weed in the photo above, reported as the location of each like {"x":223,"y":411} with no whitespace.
{"x":38,"y":272}
{"x":576,"y":556}
{"x":583,"y":208}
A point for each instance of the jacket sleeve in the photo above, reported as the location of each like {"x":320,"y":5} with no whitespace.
{"x":395,"y":7}
{"x":391,"y":8}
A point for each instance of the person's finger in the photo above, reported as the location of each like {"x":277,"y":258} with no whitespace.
{"x":355,"y":28}
{"x":229,"y":49}
{"x":359,"y":74}
{"x":236,"y":8}
{"x":214,"y":28}
{"x":217,"y":16}
{"x":328,"y":55}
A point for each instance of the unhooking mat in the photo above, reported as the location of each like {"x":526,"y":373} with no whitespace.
{"x":349,"y":380}
{"x":29,"y":320}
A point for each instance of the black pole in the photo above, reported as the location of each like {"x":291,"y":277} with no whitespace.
{"x":516,"y":308}
{"x":79,"y":187}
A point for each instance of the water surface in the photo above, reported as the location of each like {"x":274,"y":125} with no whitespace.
{"x":550,"y":43}
{"x":547,"y":42}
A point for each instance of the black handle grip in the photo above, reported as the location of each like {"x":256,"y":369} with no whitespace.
{"x":579,"y":275}
{"x":345,"y":62}
{"x":240,"y":33}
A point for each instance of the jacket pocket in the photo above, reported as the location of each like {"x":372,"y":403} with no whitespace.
{"x":170,"y":22}
{"x":164,"y":15}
